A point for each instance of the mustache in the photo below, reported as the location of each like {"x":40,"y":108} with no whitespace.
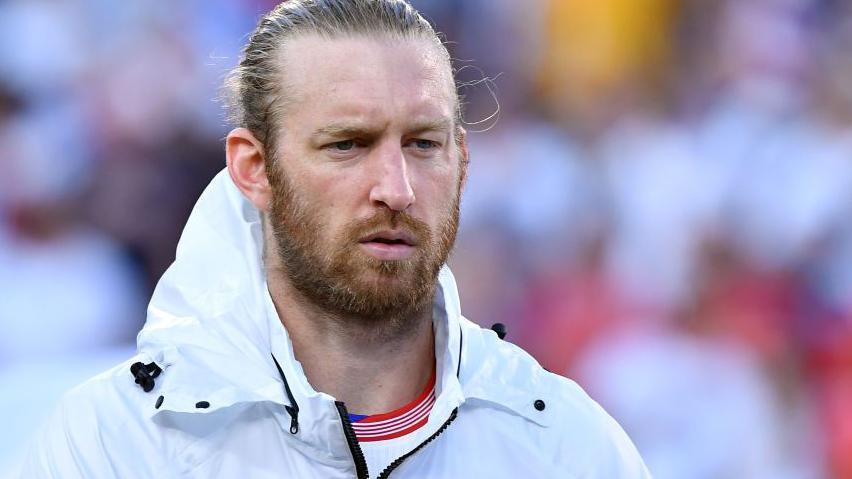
{"x":386,"y":219}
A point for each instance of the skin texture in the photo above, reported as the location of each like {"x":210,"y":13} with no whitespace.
{"x":367,"y":144}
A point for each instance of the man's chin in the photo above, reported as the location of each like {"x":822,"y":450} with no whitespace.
{"x":386,"y":277}
{"x":387,"y":290}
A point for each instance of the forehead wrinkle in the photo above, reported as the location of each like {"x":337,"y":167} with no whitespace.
{"x":301,"y":84}
{"x":431,"y":64}
{"x":443,"y":124}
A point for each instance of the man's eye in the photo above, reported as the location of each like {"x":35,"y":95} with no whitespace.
{"x":425,"y":144}
{"x":345,"y":145}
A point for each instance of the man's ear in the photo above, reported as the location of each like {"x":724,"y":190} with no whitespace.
{"x":247,"y":167}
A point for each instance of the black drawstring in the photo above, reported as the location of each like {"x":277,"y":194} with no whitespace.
{"x":461,"y":341}
{"x":293,"y":408}
{"x":145,"y":374}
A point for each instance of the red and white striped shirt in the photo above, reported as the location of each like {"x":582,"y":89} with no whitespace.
{"x":397,"y":423}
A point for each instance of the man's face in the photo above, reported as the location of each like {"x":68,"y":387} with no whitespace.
{"x":367,"y":174}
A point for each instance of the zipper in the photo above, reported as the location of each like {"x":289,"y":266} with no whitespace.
{"x":392,"y":466}
{"x":293,"y":408}
{"x":361,"y":471}
{"x":352,"y":440}
{"x":386,"y":473}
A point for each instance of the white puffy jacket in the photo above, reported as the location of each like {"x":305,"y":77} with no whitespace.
{"x":219,"y":407}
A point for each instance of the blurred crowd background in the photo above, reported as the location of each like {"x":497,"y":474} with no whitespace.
{"x":659,"y":204}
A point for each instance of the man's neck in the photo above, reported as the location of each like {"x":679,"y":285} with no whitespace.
{"x":352,"y":360}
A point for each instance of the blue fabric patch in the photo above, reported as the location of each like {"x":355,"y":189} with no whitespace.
{"x":357,"y":417}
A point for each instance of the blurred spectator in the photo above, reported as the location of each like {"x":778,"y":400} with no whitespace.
{"x":697,"y":407}
{"x":599,"y":58}
{"x":65,"y":286}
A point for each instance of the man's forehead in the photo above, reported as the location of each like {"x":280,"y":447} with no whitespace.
{"x":364,"y":72}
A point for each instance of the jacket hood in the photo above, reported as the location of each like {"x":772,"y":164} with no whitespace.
{"x":212,"y":328}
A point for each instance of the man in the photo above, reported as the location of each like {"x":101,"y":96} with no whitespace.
{"x":308,"y":327}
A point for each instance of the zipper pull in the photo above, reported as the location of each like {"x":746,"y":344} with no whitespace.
{"x":294,"y":419}
{"x":293,"y":408}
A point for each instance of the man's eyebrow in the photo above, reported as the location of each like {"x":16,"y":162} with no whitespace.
{"x":439,"y":124}
{"x":345,"y":129}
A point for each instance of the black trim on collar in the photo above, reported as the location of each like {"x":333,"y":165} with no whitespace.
{"x":458,"y":366}
{"x":293,"y":408}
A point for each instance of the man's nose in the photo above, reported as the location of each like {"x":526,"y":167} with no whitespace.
{"x":392,"y":186}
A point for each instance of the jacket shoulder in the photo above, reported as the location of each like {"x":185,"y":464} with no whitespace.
{"x":489,"y":360}
{"x":504,"y":376}
{"x":100,"y":428}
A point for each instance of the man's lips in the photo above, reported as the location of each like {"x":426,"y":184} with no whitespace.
{"x":389,"y":245}
{"x":391,"y":237}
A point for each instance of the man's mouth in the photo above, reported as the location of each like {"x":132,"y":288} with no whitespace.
{"x":390,"y":237}
{"x":389,"y":244}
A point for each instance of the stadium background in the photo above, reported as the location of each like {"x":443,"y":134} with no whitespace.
{"x":663,"y":211}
